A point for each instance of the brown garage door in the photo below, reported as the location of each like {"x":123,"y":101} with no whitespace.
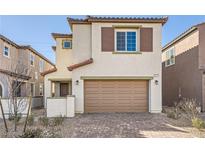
{"x":116,"y":96}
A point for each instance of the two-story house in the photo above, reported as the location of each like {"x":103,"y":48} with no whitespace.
{"x":183,"y":67}
{"x":11,"y":54}
{"x":108,"y":65}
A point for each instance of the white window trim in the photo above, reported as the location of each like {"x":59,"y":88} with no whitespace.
{"x":166,"y":52}
{"x":8,"y":51}
{"x":30,"y":59}
{"x":127,"y":30}
{"x":67,"y":41}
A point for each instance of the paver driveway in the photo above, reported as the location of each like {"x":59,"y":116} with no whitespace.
{"x":127,"y":125}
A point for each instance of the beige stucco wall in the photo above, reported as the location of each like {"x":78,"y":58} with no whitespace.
{"x":184,"y":45}
{"x":22,"y":56}
{"x":87,"y":44}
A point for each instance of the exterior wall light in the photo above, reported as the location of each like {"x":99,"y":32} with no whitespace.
{"x":77,"y":82}
{"x":156,"y":82}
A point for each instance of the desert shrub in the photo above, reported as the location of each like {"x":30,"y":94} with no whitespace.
{"x":190,"y":107}
{"x":175,"y":112}
{"x":58,"y":120}
{"x":198,"y":123}
{"x":172,"y":115}
{"x":32,"y":133}
{"x":30,"y":120}
{"x":44,"y":121}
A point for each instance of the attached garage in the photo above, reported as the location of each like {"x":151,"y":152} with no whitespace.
{"x":115,"y":96}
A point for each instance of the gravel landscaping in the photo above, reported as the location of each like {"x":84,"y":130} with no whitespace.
{"x":113,"y":125}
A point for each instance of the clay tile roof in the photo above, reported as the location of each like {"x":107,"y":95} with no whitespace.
{"x":60,"y":35}
{"x":91,"y":19}
{"x":86,"y":62}
{"x":49,"y":71}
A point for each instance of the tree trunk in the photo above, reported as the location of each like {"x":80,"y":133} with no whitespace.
{"x":29,"y":108}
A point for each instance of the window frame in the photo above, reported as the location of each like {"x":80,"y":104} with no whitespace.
{"x":127,"y":30}
{"x":31,"y":55}
{"x":8,"y":56}
{"x":63,"y":41}
{"x":169,"y":56}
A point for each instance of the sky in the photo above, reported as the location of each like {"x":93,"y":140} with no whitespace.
{"x":36,"y":30}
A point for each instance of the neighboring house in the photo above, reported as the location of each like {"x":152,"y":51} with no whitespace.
{"x":11,"y":55}
{"x":183,"y":62}
{"x":108,"y":65}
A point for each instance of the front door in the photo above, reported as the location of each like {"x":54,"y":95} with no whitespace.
{"x":63,"y":89}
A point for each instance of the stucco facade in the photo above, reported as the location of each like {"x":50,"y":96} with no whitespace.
{"x":185,"y":78}
{"x":21,"y":54}
{"x":86,"y":44}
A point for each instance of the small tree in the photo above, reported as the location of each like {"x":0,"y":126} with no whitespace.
{"x":18,"y":75}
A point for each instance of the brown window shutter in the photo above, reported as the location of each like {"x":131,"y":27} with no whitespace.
{"x":146,"y":39}
{"x":107,"y":39}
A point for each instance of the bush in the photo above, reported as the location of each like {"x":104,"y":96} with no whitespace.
{"x":190,"y":107}
{"x":30,"y":120}
{"x":173,"y":115}
{"x":44,"y":121}
{"x":198,"y":123}
{"x":58,"y":121}
{"x":32,"y":133}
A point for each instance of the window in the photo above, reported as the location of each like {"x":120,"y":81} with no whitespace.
{"x":126,"y":41}
{"x":31,"y":59}
{"x":41,"y":65}
{"x":41,"y":89}
{"x":6,"y":51}
{"x":170,"y":57}
{"x":67,"y":44}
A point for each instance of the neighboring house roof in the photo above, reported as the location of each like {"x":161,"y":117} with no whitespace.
{"x":35,"y":52}
{"x":91,"y":19}
{"x":13,"y":74}
{"x":9,"y":41}
{"x":60,"y":35}
{"x":25,"y":47}
{"x":49,"y":71}
{"x":86,"y":62}
{"x":181,"y":36}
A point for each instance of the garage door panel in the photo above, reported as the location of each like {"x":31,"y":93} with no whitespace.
{"x":116,"y":96}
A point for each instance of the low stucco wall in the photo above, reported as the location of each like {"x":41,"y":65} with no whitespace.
{"x":60,"y":106}
{"x":8,"y":107}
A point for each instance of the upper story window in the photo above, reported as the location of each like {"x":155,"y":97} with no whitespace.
{"x":126,"y":41}
{"x":31,"y":59}
{"x":6,"y":51}
{"x":41,"y":65}
{"x":170,"y":57}
{"x":67,"y":44}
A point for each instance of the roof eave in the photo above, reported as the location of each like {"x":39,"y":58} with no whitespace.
{"x":192,"y":29}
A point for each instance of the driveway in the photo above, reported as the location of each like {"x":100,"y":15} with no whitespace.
{"x":131,"y":125}
{"x":114,"y":125}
